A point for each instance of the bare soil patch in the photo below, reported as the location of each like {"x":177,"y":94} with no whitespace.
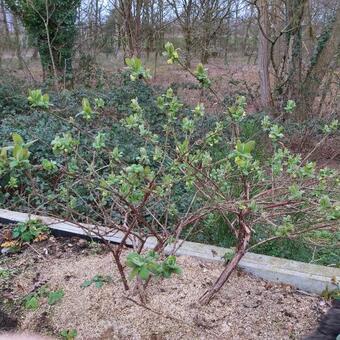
{"x":246,"y":308}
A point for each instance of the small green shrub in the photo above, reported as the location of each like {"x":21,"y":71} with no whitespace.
{"x":37,"y":99}
{"x":33,"y":300}
{"x":29,"y":231}
{"x":137,"y":70}
{"x":145,"y":266}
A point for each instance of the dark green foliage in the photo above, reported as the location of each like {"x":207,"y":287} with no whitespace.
{"x":300,"y":249}
{"x":12,"y":99}
{"x":33,"y":125}
{"x":36,"y":124}
{"x":319,"y":247}
{"x":214,"y":231}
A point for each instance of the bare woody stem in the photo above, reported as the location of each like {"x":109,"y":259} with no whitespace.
{"x":243,"y":241}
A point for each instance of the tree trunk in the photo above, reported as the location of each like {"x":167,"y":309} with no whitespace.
{"x":4,"y":18}
{"x":328,"y":46}
{"x":263,"y":56}
{"x":126,"y":8}
{"x":205,"y":39}
{"x":295,"y":10}
{"x":187,"y":28}
{"x":138,"y":28}
{"x":310,"y":36}
{"x":17,"y":42}
{"x":205,"y":53}
{"x":188,"y":44}
{"x":132,"y":25}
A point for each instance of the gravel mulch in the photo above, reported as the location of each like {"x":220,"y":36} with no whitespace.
{"x":246,"y":307}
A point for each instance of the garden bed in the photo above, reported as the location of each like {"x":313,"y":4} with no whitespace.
{"x":303,"y":276}
{"x":246,"y":307}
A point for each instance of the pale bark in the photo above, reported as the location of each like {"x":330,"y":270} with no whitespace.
{"x":4,"y":19}
{"x":263,"y":56}
{"x":17,"y":42}
{"x":4,"y":32}
{"x":328,"y":47}
{"x":131,"y":11}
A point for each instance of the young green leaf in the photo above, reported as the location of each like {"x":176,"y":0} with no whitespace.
{"x":31,"y":302}
{"x":86,"y":283}
{"x":69,"y":334}
{"x":55,"y":296}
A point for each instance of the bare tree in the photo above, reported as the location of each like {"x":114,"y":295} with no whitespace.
{"x":212,"y":16}
{"x":131,"y":13}
{"x":187,"y":14}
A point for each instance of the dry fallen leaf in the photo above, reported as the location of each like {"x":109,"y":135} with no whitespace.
{"x":41,"y":237}
{"x":9,"y":244}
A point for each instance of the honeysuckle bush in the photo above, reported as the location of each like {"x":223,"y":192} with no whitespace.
{"x":137,"y":197}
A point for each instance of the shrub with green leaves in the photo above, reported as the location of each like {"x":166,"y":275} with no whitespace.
{"x":174,"y":180}
{"x":14,"y":161}
{"x":171,"y":53}
{"x":137,"y":70}
{"x":14,"y":156}
{"x":37,"y":99}
{"x":87,"y":112}
{"x":145,"y":266}
{"x":202,"y":75}
{"x":30,"y":230}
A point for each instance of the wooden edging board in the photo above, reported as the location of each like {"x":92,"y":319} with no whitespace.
{"x":303,"y":276}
